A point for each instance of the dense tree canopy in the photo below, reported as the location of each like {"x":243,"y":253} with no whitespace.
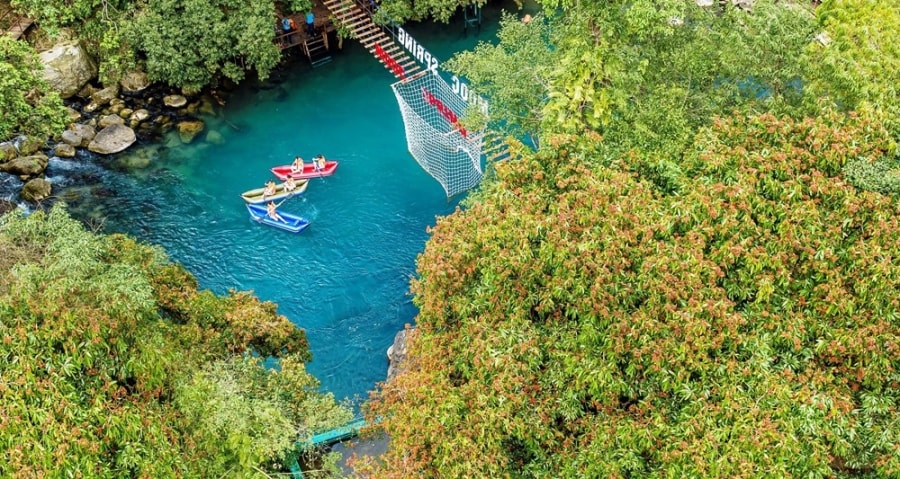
{"x":115,"y":365}
{"x":27,"y":104}
{"x":191,"y":42}
{"x":181,"y":42}
{"x":683,"y":280}
{"x":643,"y":73}
{"x":576,"y":322}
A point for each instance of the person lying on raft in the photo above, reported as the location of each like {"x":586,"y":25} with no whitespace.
{"x":271,"y":212}
{"x":297,"y":165}
{"x":290,"y":184}
{"x":270,"y":189}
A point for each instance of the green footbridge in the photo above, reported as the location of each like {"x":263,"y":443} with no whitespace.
{"x":325,"y":439}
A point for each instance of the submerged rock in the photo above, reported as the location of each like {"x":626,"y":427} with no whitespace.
{"x":188,"y":130}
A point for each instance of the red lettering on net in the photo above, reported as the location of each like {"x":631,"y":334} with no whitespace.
{"x":389,"y":61}
{"x":444,"y":110}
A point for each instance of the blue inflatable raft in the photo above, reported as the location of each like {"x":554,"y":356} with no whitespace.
{"x":292,"y":223}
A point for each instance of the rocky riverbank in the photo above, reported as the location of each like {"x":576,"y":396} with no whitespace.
{"x":103,"y":120}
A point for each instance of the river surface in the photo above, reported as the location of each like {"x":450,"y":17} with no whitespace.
{"x":345,"y":279}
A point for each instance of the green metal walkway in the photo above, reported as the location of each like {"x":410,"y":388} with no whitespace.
{"x":327,"y":438}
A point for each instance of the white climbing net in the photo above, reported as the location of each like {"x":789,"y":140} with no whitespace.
{"x":444,"y":149}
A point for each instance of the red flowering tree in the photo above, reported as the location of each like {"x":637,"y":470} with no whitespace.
{"x":579,"y":322}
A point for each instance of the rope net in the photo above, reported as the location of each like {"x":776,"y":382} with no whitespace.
{"x":437,"y":141}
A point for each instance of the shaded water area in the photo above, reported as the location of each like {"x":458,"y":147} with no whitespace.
{"x":345,"y":280}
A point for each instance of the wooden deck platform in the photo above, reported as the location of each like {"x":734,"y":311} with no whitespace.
{"x":314,"y":46}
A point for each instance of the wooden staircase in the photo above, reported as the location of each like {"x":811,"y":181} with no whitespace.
{"x":316,"y":49}
{"x":381,"y":45}
{"x":13,"y":24}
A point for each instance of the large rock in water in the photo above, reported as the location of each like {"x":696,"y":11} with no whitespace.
{"x":8,"y":152}
{"x":397,"y":353}
{"x":26,"y":166}
{"x":112,"y":139}
{"x":36,"y":190}
{"x":67,"y":67}
{"x":188,"y":130}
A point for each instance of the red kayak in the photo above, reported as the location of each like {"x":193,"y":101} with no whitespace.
{"x":309,"y":171}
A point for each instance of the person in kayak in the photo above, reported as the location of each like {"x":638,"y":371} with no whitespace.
{"x":270,"y":189}
{"x":272,"y":212}
{"x":297,"y":165}
{"x":290,"y":184}
{"x":319,"y":163}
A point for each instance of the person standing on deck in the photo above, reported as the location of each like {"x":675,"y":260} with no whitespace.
{"x":310,"y":24}
{"x":288,"y":26}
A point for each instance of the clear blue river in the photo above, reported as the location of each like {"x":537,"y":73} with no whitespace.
{"x":345,"y":280}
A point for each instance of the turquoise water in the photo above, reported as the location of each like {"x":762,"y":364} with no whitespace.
{"x":346,"y":278}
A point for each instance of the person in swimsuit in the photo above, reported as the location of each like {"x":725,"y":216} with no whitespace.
{"x":271,"y":212}
{"x":297,"y":165}
{"x":270,"y":189}
{"x":290,"y":184}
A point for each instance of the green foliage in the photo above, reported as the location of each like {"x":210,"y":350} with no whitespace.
{"x":300,"y":6}
{"x":438,"y":10}
{"x":859,"y":68}
{"x":189,"y":43}
{"x":574,"y":322}
{"x":184,"y":43}
{"x":645,"y":74}
{"x":880,"y":176}
{"x":244,"y":415}
{"x":114,"y":365}
{"x":28,"y":105}
{"x":516,"y":95}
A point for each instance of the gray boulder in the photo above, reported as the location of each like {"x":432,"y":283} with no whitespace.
{"x":104,"y":96}
{"x":26,"y":166}
{"x":135,"y":81}
{"x":110,"y":120}
{"x":36,"y":190}
{"x":64,"y":150}
{"x":67,"y":67}
{"x":8,"y":151}
{"x":71,"y":137}
{"x":74,"y":115}
{"x":112,"y":139}
{"x":30,"y":145}
{"x":86,"y":132}
{"x":174,"y":101}
{"x":397,"y":352}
